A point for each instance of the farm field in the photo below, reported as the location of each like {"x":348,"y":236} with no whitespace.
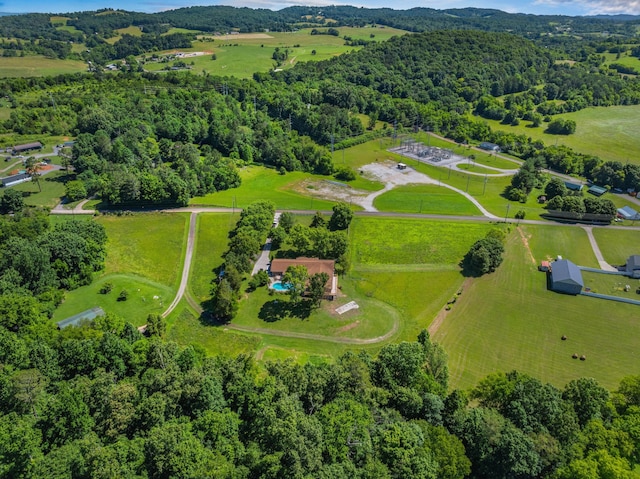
{"x":617,"y":245}
{"x":509,"y":320}
{"x":425,"y":199}
{"x":258,"y":183}
{"x":144,"y":257}
{"x":211,"y":243}
{"x":402,"y":241}
{"x":243,"y":55}
{"x":547,"y":242}
{"x":607,"y":132}
{"x":38,"y":66}
{"x":149,"y":245}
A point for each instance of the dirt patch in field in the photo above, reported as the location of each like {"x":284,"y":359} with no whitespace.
{"x":385,"y":172}
{"x":525,"y":242}
{"x":348,"y":327}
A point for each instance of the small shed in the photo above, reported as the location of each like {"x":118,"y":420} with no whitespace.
{"x":597,"y":190}
{"x":566,"y":277}
{"x":628,"y":213}
{"x":402,"y":166}
{"x":76,"y":319}
{"x":633,"y":266}
{"x":544,"y":266}
{"x":485,"y":145}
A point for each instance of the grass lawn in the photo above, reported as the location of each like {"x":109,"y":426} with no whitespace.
{"x":425,"y":199}
{"x":547,"y":242}
{"x":259,"y":309}
{"x":607,"y":132}
{"x":403,"y":241}
{"x":479,"y":169}
{"x":38,"y":66}
{"x":144,"y":257}
{"x":617,"y":245}
{"x":243,"y":55}
{"x":185,"y":328}
{"x":150,"y":245}
{"x":52,"y":185}
{"x":212,"y":241}
{"x":417,"y":295}
{"x":509,"y":320}
{"x":145,"y":297}
{"x":259,"y":183}
{"x":611,"y":285}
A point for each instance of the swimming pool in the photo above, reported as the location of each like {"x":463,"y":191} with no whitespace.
{"x":280,"y":286}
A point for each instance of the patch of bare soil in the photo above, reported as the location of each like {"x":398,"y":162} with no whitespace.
{"x":525,"y":242}
{"x":441,"y":316}
{"x":348,"y":327}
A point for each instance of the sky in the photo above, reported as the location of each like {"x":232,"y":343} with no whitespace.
{"x":540,"y":7}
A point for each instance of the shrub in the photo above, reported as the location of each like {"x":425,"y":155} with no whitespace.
{"x":124,"y":295}
{"x":106,"y":288}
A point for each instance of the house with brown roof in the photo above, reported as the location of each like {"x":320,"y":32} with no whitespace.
{"x":314,"y":266}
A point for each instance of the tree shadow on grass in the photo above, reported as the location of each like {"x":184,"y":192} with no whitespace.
{"x":276,"y":310}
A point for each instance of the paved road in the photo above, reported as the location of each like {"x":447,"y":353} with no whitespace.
{"x":596,"y":250}
{"x":263,"y":260}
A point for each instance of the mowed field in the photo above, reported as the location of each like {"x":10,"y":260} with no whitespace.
{"x":509,"y":320}
{"x":38,"y":66}
{"x":607,"y":132}
{"x":144,"y":257}
{"x":244,"y":54}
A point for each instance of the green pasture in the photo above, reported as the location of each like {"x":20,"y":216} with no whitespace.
{"x":570,"y":242}
{"x":611,"y":285}
{"x":496,"y":161}
{"x":509,"y":320}
{"x":617,"y":245}
{"x":425,"y":199}
{"x":211,"y":243}
{"x":258,"y":183}
{"x":417,"y":295}
{"x":150,"y":245}
{"x":186,"y":328}
{"x":475,"y":168}
{"x":244,"y":54}
{"x":404,"y":241}
{"x":144,"y":257}
{"x":144,"y":297}
{"x":38,"y":66}
{"x":130,"y":30}
{"x":607,"y":132}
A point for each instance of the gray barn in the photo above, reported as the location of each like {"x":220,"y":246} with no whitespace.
{"x":566,"y":277}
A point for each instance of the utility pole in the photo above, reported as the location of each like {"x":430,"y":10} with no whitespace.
{"x":507,"y":215}
{"x":484,"y":188}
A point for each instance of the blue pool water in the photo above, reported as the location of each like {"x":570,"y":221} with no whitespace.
{"x":280,"y":286}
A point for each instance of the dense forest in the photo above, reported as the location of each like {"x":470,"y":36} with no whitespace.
{"x":102,"y":401}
